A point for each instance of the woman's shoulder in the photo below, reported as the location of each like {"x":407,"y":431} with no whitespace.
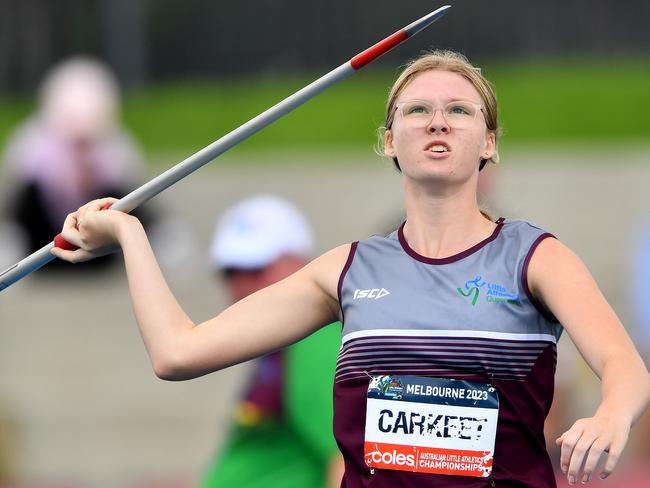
{"x":338,"y":254}
{"x":521,"y":225}
{"x":523,"y":230}
{"x":327,"y":268}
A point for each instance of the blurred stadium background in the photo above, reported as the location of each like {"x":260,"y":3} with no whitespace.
{"x":79,"y":405}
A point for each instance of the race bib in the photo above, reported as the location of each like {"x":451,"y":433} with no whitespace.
{"x":431,"y":425}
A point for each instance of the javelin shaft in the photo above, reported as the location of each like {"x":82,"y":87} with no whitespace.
{"x":208,"y":153}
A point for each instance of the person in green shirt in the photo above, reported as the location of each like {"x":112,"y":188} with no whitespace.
{"x":282,"y":434}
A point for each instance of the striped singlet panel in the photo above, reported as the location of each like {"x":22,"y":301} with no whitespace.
{"x":469,"y":316}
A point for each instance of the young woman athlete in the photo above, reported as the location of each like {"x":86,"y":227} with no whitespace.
{"x":446,"y":371}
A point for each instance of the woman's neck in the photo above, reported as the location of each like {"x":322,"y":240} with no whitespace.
{"x":440,"y":225}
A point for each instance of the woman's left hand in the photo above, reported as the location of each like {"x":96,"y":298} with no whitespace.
{"x":586,"y":441}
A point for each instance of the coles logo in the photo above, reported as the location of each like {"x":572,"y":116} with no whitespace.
{"x":389,"y":458}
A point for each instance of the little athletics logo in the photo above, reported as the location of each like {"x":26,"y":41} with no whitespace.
{"x":493,"y":292}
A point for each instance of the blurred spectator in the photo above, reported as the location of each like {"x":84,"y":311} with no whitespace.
{"x":283,"y":425}
{"x":71,"y":151}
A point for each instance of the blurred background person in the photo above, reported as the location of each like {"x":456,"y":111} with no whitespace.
{"x":282,"y":435}
{"x":72,"y":150}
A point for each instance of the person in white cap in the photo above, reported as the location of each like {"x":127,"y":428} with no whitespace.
{"x":283,"y":424}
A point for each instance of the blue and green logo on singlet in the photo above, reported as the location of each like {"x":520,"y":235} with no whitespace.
{"x":494,"y":293}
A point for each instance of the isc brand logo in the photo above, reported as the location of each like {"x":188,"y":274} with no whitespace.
{"x":374,"y":293}
{"x":378,"y":458}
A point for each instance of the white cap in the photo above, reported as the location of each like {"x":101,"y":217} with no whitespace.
{"x":257,"y":231}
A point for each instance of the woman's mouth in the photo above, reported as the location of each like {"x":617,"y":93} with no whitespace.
{"x":439,"y":148}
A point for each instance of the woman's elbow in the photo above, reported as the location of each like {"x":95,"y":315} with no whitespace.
{"x":172,"y":367}
{"x":180,"y":367}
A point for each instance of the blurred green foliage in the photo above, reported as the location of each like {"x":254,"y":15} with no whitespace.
{"x":581,"y":101}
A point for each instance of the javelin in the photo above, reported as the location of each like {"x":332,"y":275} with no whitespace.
{"x":149,"y":190}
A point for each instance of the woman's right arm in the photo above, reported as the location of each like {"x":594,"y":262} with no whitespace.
{"x":264,"y":321}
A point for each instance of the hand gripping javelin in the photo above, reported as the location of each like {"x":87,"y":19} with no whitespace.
{"x":181,"y":170}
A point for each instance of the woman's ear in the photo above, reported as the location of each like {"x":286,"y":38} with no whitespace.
{"x":490,"y":146}
{"x":389,"y":150}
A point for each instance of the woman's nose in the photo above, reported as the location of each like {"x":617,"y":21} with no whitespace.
{"x":438,"y":123}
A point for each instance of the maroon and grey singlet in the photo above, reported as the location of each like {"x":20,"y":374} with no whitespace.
{"x":466,"y":317}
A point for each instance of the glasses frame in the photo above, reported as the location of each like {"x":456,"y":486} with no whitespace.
{"x":399,"y":107}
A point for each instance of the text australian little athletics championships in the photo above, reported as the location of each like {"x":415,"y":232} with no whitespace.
{"x":454,"y":462}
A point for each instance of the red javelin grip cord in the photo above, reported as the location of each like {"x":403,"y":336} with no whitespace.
{"x":60,"y":242}
{"x":365,"y":57}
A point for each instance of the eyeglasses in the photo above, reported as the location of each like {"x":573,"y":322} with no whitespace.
{"x":459,"y":114}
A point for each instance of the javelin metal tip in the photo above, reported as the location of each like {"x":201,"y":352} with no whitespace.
{"x":425,"y":21}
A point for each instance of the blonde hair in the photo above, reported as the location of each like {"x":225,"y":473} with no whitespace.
{"x":454,"y":62}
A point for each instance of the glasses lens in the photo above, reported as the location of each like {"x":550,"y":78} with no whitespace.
{"x":417,"y":110}
{"x":460,"y":113}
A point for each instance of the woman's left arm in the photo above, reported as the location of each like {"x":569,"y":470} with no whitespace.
{"x":561,"y":282}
